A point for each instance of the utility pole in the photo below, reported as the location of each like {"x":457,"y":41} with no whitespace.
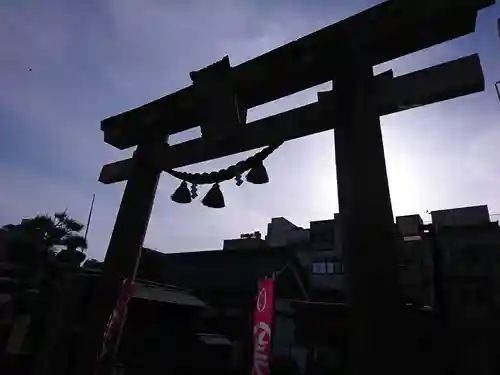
{"x":90,"y":216}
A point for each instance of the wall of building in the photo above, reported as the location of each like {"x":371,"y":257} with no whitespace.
{"x":463,"y":216}
{"x":283,"y":340}
{"x":469,"y":245}
{"x":416,"y":269}
{"x":325,"y":253}
{"x":319,"y":250}
{"x":326,"y":271}
{"x":471,"y":268}
{"x":281,"y":232}
{"x":471,"y":289}
{"x":244,"y":243}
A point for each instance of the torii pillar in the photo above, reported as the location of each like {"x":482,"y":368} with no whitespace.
{"x":122,"y":257}
{"x":368,"y":229}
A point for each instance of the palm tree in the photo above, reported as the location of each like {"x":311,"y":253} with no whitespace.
{"x":52,"y":248}
{"x":43,"y":237}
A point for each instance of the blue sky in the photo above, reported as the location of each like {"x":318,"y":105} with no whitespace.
{"x":94,"y":59}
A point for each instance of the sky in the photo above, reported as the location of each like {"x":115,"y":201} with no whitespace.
{"x":65,"y":66}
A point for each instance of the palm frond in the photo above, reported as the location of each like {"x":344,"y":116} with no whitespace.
{"x":74,"y":241}
{"x":73,"y":225}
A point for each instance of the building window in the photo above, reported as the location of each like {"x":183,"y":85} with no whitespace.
{"x":328,"y":267}
{"x":336,"y":268}
{"x":319,"y":268}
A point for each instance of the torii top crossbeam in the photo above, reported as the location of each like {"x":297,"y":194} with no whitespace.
{"x":445,"y":81}
{"x":385,"y":32}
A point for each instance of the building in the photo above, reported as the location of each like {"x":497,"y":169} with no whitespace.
{"x":453,"y":264}
{"x":246,"y":241}
{"x":323,"y":259}
{"x":461,"y":246}
{"x":281,"y":232}
{"x":227,"y":280}
{"x":163,"y":330}
{"x":416,"y":264}
{"x":469,"y":244}
{"x":318,"y":247}
{"x":204,"y":321}
{"x":309,"y":335}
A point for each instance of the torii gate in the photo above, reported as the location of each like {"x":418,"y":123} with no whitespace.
{"x":343,"y":53}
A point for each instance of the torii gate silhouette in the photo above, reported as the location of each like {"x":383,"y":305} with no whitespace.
{"x":345,"y":54}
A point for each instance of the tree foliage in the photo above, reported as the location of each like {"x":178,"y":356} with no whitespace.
{"x":92,"y":264}
{"x":44,"y":236}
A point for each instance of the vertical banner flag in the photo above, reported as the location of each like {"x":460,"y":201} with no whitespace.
{"x":116,"y":319}
{"x":262,"y":322}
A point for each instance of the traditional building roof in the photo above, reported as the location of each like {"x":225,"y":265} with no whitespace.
{"x":228,"y":270}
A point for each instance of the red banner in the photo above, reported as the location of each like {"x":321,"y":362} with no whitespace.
{"x":116,"y":321}
{"x":118,"y":315}
{"x":262,"y":323}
